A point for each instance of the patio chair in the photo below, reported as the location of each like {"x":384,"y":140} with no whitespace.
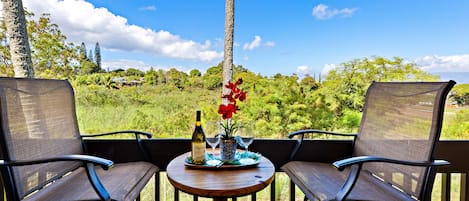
{"x":42,"y":154}
{"x":392,"y":153}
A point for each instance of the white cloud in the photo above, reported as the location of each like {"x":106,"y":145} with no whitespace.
{"x":303,"y":70}
{"x":269,"y":44}
{"x":255,"y":43}
{"x":432,"y":64}
{"x":452,"y":63}
{"x":323,"y":12}
{"x":327,"y":68}
{"x":149,"y":8}
{"x":80,"y":21}
{"x":127,"y":63}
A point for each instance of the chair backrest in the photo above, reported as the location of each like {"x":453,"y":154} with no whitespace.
{"x":402,"y":120}
{"x":38,"y":120}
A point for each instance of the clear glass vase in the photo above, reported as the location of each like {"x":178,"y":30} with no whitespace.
{"x":228,"y":149}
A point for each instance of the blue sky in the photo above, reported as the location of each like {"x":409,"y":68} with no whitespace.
{"x":271,"y":36}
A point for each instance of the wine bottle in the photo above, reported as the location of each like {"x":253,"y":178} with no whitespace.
{"x":198,"y":142}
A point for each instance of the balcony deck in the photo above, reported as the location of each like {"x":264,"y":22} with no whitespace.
{"x":162,"y":151}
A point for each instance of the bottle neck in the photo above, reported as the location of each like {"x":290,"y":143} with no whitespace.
{"x":197,"y":118}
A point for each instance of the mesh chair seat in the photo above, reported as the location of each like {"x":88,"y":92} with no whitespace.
{"x":123,"y":182}
{"x":38,"y":121}
{"x":327,"y":181}
{"x":401,"y":121}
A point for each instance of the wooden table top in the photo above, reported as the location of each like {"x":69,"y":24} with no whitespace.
{"x":219,"y":182}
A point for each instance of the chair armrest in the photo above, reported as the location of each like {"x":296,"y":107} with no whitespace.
{"x":301,"y":133}
{"x":342,"y":164}
{"x":104,"y":163}
{"x":137,"y":133}
{"x":356,"y":165}
{"x":312,"y":131}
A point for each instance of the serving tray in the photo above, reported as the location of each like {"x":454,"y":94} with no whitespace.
{"x":242,"y":160}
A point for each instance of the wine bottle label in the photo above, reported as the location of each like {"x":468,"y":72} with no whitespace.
{"x":198,"y":152}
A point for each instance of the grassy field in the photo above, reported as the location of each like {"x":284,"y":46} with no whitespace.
{"x":169,"y":114}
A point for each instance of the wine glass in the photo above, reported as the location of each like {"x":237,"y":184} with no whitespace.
{"x":213,"y":142}
{"x":213,"y":130}
{"x":246,"y":132}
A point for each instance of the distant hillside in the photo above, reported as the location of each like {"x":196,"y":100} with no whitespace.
{"x":459,"y":77}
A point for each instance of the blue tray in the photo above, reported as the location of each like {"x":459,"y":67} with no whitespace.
{"x":242,"y":160}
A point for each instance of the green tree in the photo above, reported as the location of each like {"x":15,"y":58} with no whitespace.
{"x":345,"y":86}
{"x":90,"y":56}
{"x":83,"y":51}
{"x":151,"y":77}
{"x":118,"y":72}
{"x":87,"y":65}
{"x":309,"y":83}
{"x":134,"y":72}
{"x":6,"y":66}
{"x":161,"y":76}
{"x":176,"y":78}
{"x":195,"y":73}
{"x":52,"y":56}
{"x":195,"y":78}
{"x":97,"y":56}
{"x":460,"y":94}
{"x":211,"y":78}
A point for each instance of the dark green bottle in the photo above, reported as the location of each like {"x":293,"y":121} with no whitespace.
{"x":198,"y":142}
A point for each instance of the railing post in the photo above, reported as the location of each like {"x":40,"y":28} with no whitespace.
{"x":463,"y":188}
{"x":176,"y":194}
{"x":292,"y":191}
{"x":3,"y":197}
{"x":445,"y":186}
{"x":272,"y":190}
{"x":157,"y":186}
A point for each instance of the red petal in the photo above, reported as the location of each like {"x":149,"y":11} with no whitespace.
{"x":242,"y":96}
{"x":239,"y":81}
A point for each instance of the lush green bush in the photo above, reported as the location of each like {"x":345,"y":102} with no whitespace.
{"x":456,"y":124}
{"x":277,"y":105}
{"x":169,"y":112}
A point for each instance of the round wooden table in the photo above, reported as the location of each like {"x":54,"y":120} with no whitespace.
{"x":220,"y":183}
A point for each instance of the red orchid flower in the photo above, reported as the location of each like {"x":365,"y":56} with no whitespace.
{"x":227,"y":110}
{"x":241,"y":96}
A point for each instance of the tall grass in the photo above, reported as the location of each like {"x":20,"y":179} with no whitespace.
{"x":166,"y":114}
{"x":169,"y":113}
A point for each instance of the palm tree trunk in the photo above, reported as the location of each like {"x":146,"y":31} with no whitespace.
{"x":228,"y":47}
{"x":15,"y":20}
